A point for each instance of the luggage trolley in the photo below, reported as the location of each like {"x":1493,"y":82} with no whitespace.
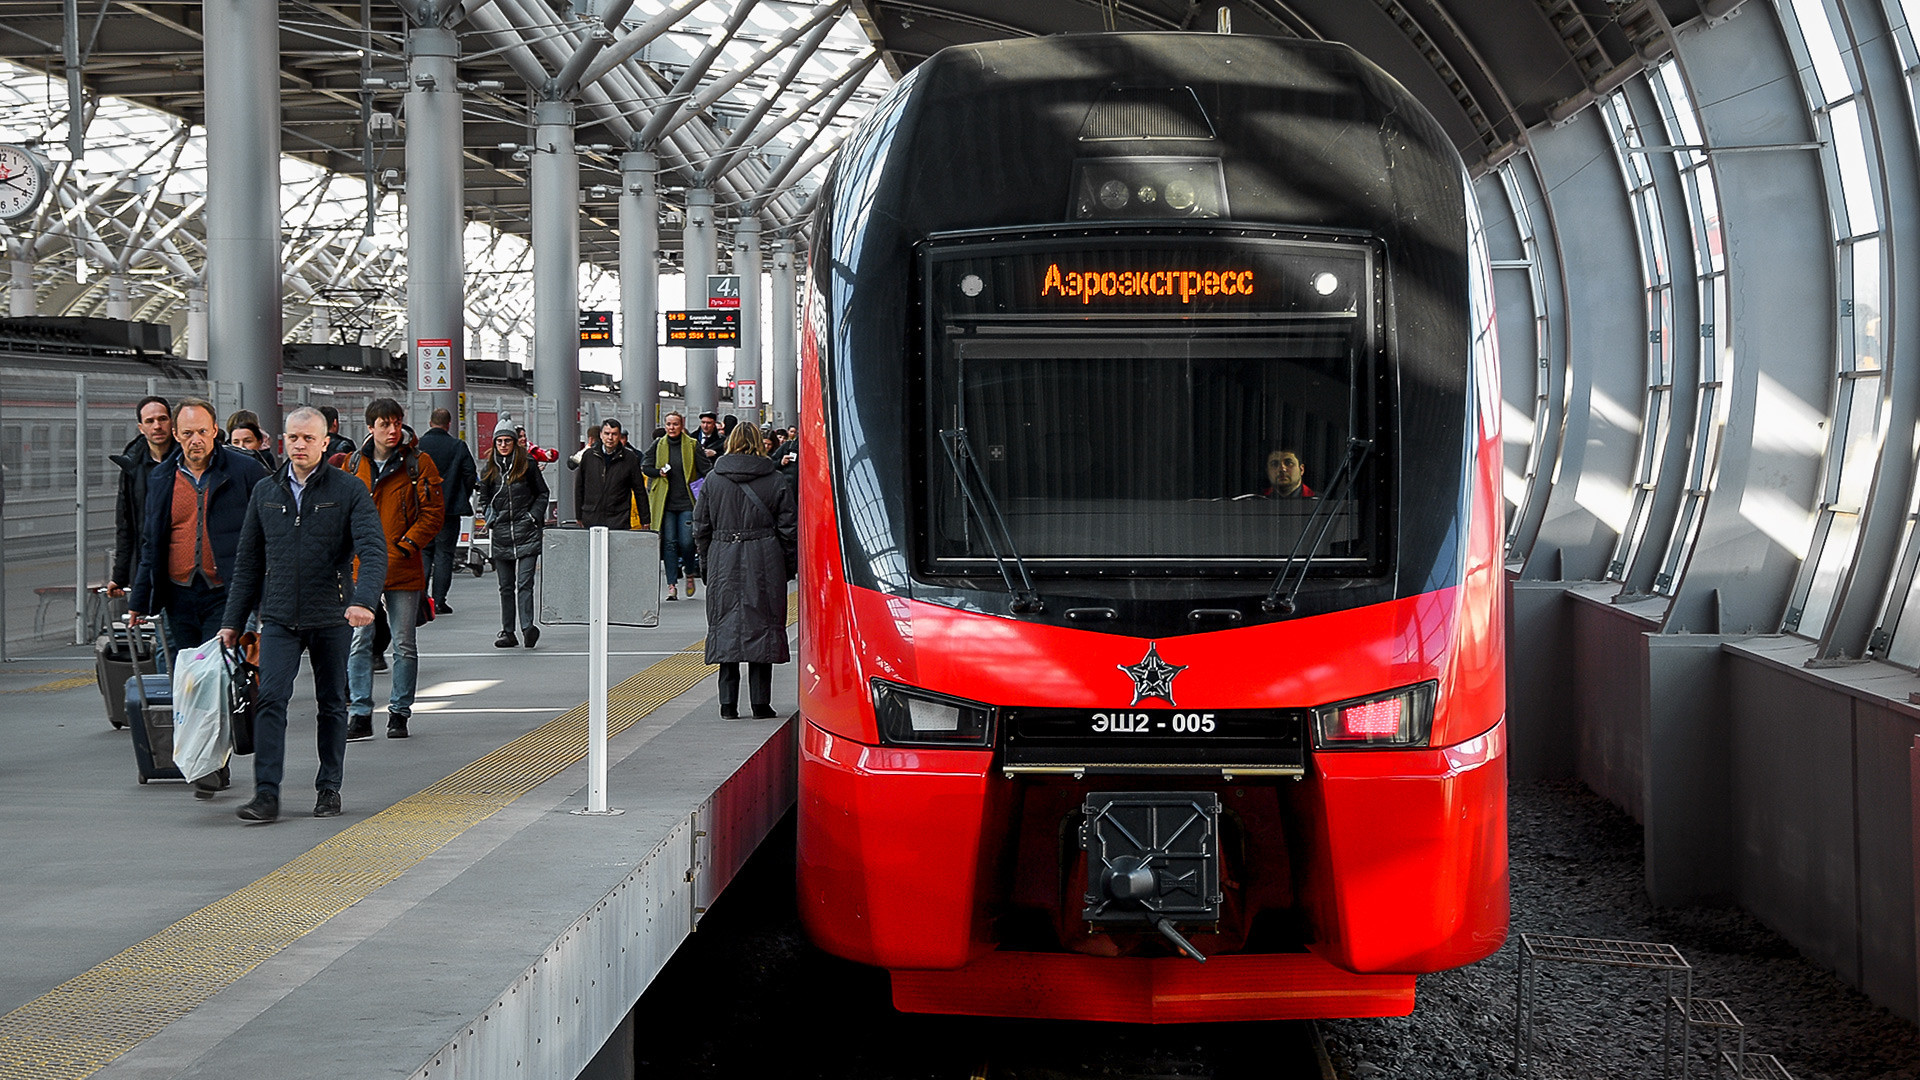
{"x":475,"y":549}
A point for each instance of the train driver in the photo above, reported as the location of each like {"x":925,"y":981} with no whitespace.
{"x":1286,"y":474}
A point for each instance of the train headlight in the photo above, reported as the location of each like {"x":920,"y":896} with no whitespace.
{"x":1399,"y":718}
{"x":913,"y":717}
{"x":1122,"y":188}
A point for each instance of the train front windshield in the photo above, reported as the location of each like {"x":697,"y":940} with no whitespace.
{"x":1147,"y":428}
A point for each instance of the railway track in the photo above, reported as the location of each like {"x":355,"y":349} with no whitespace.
{"x":748,"y":995}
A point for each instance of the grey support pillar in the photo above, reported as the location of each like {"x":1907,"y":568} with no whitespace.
{"x":556,"y":282}
{"x":243,"y":201}
{"x":197,"y":326}
{"x":746,"y":359}
{"x":785,"y":357}
{"x":640,"y":288}
{"x":119,"y":298}
{"x":699,"y":246}
{"x":20,"y":289}
{"x":320,"y":326}
{"x":436,"y":215}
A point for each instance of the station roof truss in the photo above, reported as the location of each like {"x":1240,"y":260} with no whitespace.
{"x":749,"y":97}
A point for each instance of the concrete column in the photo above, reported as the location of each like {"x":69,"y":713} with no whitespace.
{"x":436,"y":214}
{"x":119,"y":298}
{"x":747,"y":364}
{"x":197,"y":326}
{"x":556,"y":280}
{"x":243,"y":201}
{"x":699,"y":244}
{"x":20,"y":289}
{"x":640,"y":286}
{"x":785,"y":396}
{"x":320,"y":326}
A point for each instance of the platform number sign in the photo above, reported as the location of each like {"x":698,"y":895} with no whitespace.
{"x":433,"y":364}
{"x":723,"y":290}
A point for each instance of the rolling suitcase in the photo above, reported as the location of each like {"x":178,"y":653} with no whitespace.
{"x":114,"y":663}
{"x":149,"y":704}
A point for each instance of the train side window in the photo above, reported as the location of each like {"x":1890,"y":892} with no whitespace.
{"x":10,"y":456}
{"x":39,"y":454}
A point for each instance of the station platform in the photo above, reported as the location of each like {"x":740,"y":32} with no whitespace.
{"x":456,"y":920}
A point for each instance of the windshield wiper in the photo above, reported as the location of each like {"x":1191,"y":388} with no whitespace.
{"x":958,"y":447}
{"x":1357,"y":451}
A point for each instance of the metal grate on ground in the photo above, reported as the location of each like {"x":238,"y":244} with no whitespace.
{"x":1656,"y":958}
{"x":1709,"y":1015}
{"x":80,"y":1026}
{"x":1756,"y":1067}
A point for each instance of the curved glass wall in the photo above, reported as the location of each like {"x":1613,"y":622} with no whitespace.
{"x":1825,"y":51}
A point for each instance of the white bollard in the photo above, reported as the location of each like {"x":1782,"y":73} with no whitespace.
{"x":599,"y":585}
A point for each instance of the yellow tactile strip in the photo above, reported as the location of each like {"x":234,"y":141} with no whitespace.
{"x":80,"y":1026}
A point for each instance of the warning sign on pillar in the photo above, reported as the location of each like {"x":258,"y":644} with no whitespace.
{"x":433,"y":364}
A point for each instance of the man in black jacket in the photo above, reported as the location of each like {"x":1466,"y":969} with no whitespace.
{"x":304,"y":527}
{"x":458,"y":475}
{"x":609,"y":481}
{"x":136,"y":462}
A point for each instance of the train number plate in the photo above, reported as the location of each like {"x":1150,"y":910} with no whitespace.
{"x":1122,"y":724}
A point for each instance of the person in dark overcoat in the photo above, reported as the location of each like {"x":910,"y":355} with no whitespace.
{"x":513,"y":498}
{"x":747,"y":531}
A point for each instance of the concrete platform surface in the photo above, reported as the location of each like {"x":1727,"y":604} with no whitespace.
{"x":496,"y":903}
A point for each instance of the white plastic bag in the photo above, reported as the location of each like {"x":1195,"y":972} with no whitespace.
{"x":202,"y":730}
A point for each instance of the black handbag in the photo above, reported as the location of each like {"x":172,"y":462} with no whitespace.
{"x":243,"y":694}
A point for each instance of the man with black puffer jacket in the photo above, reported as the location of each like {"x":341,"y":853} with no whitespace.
{"x":152,"y":446}
{"x":304,"y":527}
{"x":609,"y":481}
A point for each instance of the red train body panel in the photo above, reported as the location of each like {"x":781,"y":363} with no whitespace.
{"x":957,"y":871}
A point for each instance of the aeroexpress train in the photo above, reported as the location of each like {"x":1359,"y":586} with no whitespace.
{"x":1151,"y":600}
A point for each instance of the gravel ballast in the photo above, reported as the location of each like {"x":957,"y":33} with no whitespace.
{"x":1576,"y":865}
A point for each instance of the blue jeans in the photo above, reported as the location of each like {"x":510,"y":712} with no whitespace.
{"x":403,"y":611}
{"x":440,"y":558}
{"x":676,"y":544}
{"x":280,"y":649}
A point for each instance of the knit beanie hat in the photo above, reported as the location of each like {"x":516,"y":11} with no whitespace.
{"x":505,"y":428}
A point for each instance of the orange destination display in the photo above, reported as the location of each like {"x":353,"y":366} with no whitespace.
{"x":1185,"y":284}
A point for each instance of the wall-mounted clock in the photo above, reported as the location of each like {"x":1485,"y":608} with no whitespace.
{"x":23,"y":182}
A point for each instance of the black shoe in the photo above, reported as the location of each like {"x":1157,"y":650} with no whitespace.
{"x":211,"y":784}
{"x":441,"y":607}
{"x":327,"y":805}
{"x":506,"y":640}
{"x":397,"y":724}
{"x":729,"y":712}
{"x":379,"y":662}
{"x":262,"y":808}
{"x":532,"y":634}
{"x":764,"y":712}
{"x":359,"y":728}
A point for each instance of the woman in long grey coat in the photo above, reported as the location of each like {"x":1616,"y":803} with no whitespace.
{"x":748,"y":535}
{"x":513,"y":498}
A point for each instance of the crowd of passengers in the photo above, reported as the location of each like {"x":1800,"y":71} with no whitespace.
{"x":341,"y":551}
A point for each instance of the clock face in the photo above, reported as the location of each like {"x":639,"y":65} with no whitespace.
{"x":23,"y":181}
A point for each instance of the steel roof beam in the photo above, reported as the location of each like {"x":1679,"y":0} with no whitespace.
{"x":656,"y":126}
{"x":719,"y":88}
{"x":731,"y":150}
{"x":639,"y":38}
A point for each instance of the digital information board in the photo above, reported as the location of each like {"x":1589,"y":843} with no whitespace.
{"x":702,"y":329}
{"x":596,"y":328}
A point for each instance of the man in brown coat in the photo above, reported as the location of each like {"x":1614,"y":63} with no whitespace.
{"x":406,"y":491}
